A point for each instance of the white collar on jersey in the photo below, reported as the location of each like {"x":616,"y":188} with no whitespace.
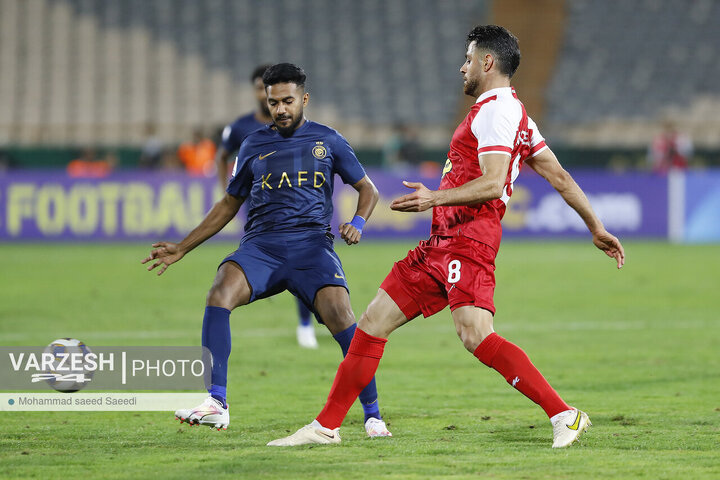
{"x":492,"y":92}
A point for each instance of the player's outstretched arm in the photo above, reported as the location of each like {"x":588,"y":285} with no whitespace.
{"x":482,"y":189}
{"x":367,"y":199}
{"x":546,"y":164}
{"x":167,"y":253}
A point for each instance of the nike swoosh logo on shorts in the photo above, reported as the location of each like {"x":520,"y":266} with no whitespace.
{"x":338,"y":276}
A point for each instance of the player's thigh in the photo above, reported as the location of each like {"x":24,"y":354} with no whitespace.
{"x":382,"y":316}
{"x":319,"y":281}
{"x":473,"y":324}
{"x":332,"y":303}
{"x":230,"y":288}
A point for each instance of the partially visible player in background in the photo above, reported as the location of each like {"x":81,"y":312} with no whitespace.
{"x":233,"y":136}
{"x":670,"y":149}
{"x":286,"y":172}
{"x":455,"y":267}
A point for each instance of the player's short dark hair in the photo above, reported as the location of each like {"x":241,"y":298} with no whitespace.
{"x":499,"y":41}
{"x":259,"y":72}
{"x":284,"y":73}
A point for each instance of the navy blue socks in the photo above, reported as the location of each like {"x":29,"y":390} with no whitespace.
{"x":304,"y":313}
{"x":216,"y":338}
{"x":368,"y":397}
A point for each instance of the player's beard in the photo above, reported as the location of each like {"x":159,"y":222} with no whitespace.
{"x":287,"y":131}
{"x":471,"y":87}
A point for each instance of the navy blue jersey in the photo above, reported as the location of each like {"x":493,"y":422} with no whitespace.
{"x":288,"y":182}
{"x":234,"y":134}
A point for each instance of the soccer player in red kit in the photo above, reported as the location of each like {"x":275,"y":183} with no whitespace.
{"x":455,"y":266}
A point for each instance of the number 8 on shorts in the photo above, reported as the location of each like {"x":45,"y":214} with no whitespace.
{"x":454,"y":271}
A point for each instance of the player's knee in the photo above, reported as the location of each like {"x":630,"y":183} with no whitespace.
{"x":473,"y":333}
{"x":372,"y":325}
{"x":382,"y":316}
{"x":337,"y":317}
{"x":219,"y":297}
{"x":470,"y":338}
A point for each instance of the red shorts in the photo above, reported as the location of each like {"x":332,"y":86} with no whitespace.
{"x":441,"y":271}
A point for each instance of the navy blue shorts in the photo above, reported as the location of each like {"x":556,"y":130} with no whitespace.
{"x":301,"y":264}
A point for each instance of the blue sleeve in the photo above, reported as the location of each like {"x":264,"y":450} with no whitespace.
{"x":241,"y":181}
{"x":345,"y":163}
{"x":232,"y":138}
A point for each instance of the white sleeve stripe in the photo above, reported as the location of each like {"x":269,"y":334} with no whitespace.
{"x":504,"y":152}
{"x":539,"y":150}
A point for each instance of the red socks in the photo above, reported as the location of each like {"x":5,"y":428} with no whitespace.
{"x":354,"y":373}
{"x":512,"y":363}
{"x":365,"y":352}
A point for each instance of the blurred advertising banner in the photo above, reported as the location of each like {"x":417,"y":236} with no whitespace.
{"x":701,"y":215}
{"x":140,"y":205}
{"x":632,"y":204}
{"x":41,"y":205}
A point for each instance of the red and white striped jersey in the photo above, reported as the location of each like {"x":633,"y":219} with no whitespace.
{"x":497,"y":123}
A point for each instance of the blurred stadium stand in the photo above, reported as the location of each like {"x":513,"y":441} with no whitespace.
{"x":93,"y":72}
{"x":626,"y":65}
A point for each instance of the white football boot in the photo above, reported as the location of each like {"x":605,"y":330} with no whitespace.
{"x":568,"y":426}
{"x":376,"y":427}
{"x":309,"y":434}
{"x":210,"y":412}
{"x":306,"y":336}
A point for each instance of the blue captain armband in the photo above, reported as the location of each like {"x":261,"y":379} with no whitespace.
{"x":358,"y":222}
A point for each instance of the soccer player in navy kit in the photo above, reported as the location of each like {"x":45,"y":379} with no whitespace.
{"x":286,"y":172}
{"x":233,"y":136}
{"x":235,"y":133}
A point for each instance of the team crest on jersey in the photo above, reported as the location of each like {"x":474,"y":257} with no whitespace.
{"x":447,"y":168}
{"x":319,"y":152}
{"x":523,"y":138}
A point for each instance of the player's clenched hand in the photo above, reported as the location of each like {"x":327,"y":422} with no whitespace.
{"x":165,"y":254}
{"x":418,"y":201}
{"x":612,"y":247}
{"x":350,"y":234}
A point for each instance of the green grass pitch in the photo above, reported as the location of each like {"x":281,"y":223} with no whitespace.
{"x":638,"y":349}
